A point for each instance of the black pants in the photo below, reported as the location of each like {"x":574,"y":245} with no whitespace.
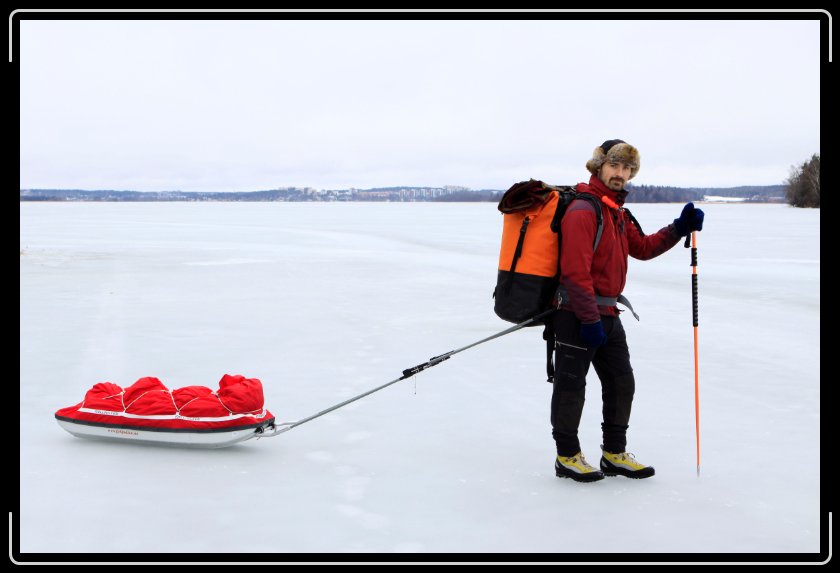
{"x":572,"y":360}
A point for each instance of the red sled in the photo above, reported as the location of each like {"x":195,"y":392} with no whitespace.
{"x":148,"y":412}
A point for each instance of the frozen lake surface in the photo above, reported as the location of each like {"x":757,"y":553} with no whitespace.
{"x":322,"y":302}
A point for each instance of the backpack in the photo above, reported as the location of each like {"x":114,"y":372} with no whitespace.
{"x":529,"y":260}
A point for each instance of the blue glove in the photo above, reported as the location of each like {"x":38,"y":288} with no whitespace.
{"x":593,"y":334}
{"x":690,"y":219}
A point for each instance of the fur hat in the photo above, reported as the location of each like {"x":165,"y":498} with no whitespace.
{"x":614,"y":150}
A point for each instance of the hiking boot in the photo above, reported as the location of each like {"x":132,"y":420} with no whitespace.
{"x":575,"y":467}
{"x":624,"y":464}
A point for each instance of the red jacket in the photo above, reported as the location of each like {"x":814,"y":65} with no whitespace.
{"x":604,"y":272}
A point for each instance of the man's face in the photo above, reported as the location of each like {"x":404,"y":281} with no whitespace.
{"x":614,"y":175}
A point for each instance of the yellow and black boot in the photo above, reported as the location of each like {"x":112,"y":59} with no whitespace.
{"x":576,"y":468}
{"x":624,"y":464}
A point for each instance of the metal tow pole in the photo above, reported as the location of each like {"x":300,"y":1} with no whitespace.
{"x":407,"y":373}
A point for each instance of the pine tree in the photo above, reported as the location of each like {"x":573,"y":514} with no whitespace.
{"x":803,"y":185}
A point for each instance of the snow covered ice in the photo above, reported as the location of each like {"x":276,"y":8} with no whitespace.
{"x":325,"y":301}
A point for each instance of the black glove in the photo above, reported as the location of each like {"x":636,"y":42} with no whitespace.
{"x":690,"y":219}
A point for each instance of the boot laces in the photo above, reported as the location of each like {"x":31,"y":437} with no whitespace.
{"x":583,"y":461}
{"x":626,"y":456}
{"x":630,"y":458}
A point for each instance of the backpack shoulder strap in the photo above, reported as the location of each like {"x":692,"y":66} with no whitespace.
{"x":596,"y":205}
{"x":633,"y":220}
{"x":565,"y":197}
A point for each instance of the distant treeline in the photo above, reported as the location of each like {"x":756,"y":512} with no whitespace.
{"x":660,"y":194}
{"x":638,"y":194}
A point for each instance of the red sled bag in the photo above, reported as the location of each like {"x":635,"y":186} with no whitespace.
{"x":149,"y":412}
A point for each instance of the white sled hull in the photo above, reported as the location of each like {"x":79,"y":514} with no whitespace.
{"x":184,"y":439}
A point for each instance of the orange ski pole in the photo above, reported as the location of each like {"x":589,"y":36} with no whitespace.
{"x":696,"y":363}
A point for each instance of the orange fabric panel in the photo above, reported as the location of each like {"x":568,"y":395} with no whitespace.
{"x":540,"y":249}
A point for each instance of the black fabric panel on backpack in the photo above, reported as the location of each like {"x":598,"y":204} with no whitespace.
{"x":522,"y":296}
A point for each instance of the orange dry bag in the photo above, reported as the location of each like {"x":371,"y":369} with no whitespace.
{"x":529,"y":259}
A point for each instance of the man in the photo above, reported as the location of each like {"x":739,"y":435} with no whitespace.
{"x":587,"y":327}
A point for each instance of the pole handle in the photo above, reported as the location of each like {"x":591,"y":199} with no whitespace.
{"x":694,"y":299}
{"x":693,"y":277}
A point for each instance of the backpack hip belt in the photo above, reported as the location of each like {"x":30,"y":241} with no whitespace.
{"x":562,"y":294}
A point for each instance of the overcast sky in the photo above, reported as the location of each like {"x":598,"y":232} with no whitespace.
{"x":247,"y":105}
